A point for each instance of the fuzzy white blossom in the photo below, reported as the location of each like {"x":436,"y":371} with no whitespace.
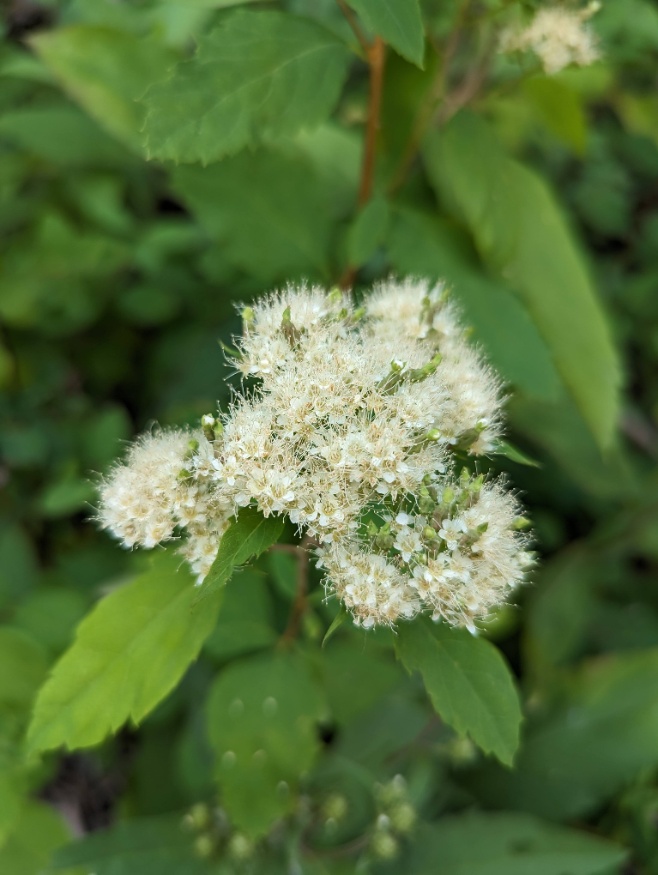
{"x":350,"y":432}
{"x":558,"y":36}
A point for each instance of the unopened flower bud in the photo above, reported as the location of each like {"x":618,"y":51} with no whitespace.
{"x":204,"y":846}
{"x":239,"y":847}
{"x":384,"y":846}
{"x":403,"y":817}
{"x":248,"y":317}
{"x":335,"y":807}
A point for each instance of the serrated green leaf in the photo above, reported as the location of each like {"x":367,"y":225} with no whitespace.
{"x":246,"y":538}
{"x":258,"y":76}
{"x":272,"y":197}
{"x":506,"y":844}
{"x":105,"y":70}
{"x":598,"y":739}
{"x":398,"y":22}
{"x":467,"y":681}
{"x":261,"y":723}
{"x":129,"y":652}
{"x":522,"y":235}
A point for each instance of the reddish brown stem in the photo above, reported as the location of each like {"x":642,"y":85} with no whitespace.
{"x":376,"y":59}
{"x":354,"y":24}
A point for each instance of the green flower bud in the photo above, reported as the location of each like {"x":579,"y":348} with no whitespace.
{"x":521,"y":523}
{"x":200,"y":815}
{"x":204,"y":846}
{"x":417,"y":375}
{"x":248,"y":317}
{"x":403,"y":817}
{"x":384,"y":846}
{"x":335,"y":807}
{"x":239,"y":847}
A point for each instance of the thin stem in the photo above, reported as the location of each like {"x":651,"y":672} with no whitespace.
{"x":301,"y":593}
{"x":354,"y":24}
{"x":376,"y":59}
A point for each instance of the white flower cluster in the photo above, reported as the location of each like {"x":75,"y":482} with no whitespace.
{"x":351,"y":433}
{"x":558,"y":36}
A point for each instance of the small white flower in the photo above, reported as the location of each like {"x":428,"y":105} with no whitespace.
{"x":349,"y":417}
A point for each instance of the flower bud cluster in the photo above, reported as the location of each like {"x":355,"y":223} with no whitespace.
{"x":350,"y":432}
{"x":395,"y":820}
{"x":558,"y":36}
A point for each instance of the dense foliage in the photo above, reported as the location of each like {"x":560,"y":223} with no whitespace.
{"x":162,"y":161}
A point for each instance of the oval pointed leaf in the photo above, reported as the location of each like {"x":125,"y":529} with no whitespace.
{"x":261,"y":724}
{"x":258,"y":76}
{"x":508,"y":844}
{"x":398,"y":22}
{"x":522,"y":235}
{"x":105,"y":71}
{"x":467,"y":681}
{"x":130,"y":651}
{"x":246,"y":538}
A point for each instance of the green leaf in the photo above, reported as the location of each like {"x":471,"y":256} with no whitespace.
{"x":420,"y":244}
{"x":600,"y":737}
{"x":245,"y":622}
{"x":368,"y":231}
{"x":559,"y":429}
{"x":24,"y":666}
{"x":246,"y":538}
{"x":130,"y":651}
{"x":522,"y":235}
{"x":261,"y":723}
{"x":61,"y":135}
{"x":53,"y":291}
{"x":468,"y":683}
{"x":148,"y":846}
{"x":560,"y":108}
{"x":348,"y":665}
{"x":50,"y":615}
{"x":398,"y":22}
{"x":258,"y":76}
{"x":105,"y":71}
{"x":336,"y":623}
{"x":18,"y":561}
{"x":506,"y":844}
{"x":37,"y":833}
{"x":514,"y":454}
{"x":270,"y":202}
{"x":559,"y":611}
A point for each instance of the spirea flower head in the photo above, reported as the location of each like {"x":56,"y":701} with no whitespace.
{"x":349,"y":429}
{"x":558,"y":36}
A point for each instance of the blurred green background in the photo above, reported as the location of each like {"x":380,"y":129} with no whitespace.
{"x":119,"y":275}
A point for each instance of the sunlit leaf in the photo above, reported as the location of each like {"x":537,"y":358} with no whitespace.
{"x":129,"y":652}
